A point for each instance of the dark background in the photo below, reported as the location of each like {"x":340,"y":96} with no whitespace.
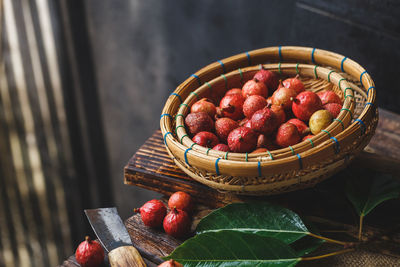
{"x":119,"y":60}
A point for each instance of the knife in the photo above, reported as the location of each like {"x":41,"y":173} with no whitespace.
{"x":114,"y":237}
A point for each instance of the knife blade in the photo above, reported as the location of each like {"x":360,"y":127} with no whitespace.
{"x":112,"y":234}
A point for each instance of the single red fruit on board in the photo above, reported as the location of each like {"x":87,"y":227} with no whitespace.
{"x":234,"y":91}
{"x":264,"y":121}
{"x":170,"y":263}
{"x":221,"y":147}
{"x":198,"y":122}
{"x":205,"y":139}
{"x":305,"y":104}
{"x":177,"y":223}
{"x":307,"y":137}
{"x":287,"y":135}
{"x":181,"y":201}
{"x":333,"y":108}
{"x":301,"y":126}
{"x":270,"y":79}
{"x":152,"y":213}
{"x":294,"y":83}
{"x":252,"y":104}
{"x":329,"y":97}
{"x":232,"y":106}
{"x":223,"y":127}
{"x":254,"y":87}
{"x":89,"y":253}
{"x":279,"y":113}
{"x":204,"y":105}
{"x":283,"y":97}
{"x":242,"y":140}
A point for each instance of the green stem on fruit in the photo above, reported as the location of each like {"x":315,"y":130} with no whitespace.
{"x":360,"y":227}
{"x":327,"y":255}
{"x":329,"y":239}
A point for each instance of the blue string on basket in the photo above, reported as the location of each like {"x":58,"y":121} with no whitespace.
{"x":312,"y":56}
{"x":197,"y":78}
{"x":165,"y":138}
{"x":300,"y":162}
{"x":361,"y":75}
{"x":372,"y":87}
{"x":216,"y":166}
{"x":248,"y":58}
{"x":175,"y":94}
{"x":165,"y":114}
{"x":341,"y":64}
{"x":186,"y":151}
{"x":280,"y":53}
{"x":259,"y":169}
{"x":337,"y":145}
{"x":362,"y":125}
{"x":222,"y":65}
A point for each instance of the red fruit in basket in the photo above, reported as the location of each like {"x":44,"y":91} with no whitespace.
{"x":294,"y":83}
{"x":270,"y":79}
{"x":301,"y":126}
{"x":279,"y":113}
{"x":260,"y":150}
{"x":198,"y":122}
{"x":243,"y":122}
{"x":248,"y":124}
{"x":232,"y":106}
{"x":204,"y":105}
{"x":252,"y":104}
{"x":89,"y":253}
{"x":254,"y":87}
{"x":283,"y":97}
{"x":305,"y":104}
{"x":329,"y":97}
{"x":242,"y":140}
{"x":333,"y":108}
{"x":177,"y":223}
{"x":307,"y":137}
{"x":221,"y":147}
{"x":269,"y":101}
{"x":205,"y":139}
{"x":287,"y":135}
{"x":170,"y":263}
{"x":181,"y":201}
{"x":224,"y":126}
{"x":234,"y":91}
{"x":152,"y":213}
{"x":264,"y":121}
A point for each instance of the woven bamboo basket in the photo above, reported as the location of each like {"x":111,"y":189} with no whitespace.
{"x":264,"y":174}
{"x":311,"y":76}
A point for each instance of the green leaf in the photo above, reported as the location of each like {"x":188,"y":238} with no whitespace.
{"x":260,"y":218}
{"x":233,"y":248}
{"x":367,"y":190}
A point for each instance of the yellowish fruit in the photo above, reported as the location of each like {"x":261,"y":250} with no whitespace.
{"x":320,"y":120}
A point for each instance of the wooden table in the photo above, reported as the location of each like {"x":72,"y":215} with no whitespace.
{"x":151,"y":168}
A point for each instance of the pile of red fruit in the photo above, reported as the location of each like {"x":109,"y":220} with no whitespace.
{"x":263,"y":115}
{"x":176,"y":222}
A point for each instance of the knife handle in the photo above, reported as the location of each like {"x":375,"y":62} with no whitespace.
{"x":125,"y":256}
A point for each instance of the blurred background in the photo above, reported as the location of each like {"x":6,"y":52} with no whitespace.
{"x":82,"y":85}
